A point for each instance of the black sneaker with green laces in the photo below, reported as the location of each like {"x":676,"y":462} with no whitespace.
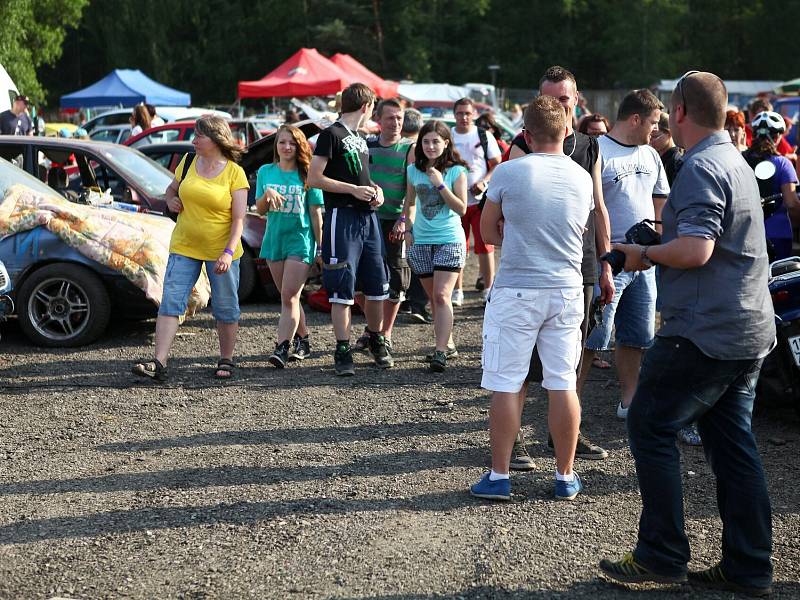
{"x":714,"y":578}
{"x":362,"y":343}
{"x":280,"y":356}
{"x":627,"y":570}
{"x":343,"y":360}
{"x":380,"y":351}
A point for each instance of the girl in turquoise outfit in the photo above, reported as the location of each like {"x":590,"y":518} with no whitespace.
{"x":292,"y":237}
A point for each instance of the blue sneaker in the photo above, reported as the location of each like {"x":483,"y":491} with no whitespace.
{"x":491,"y":490}
{"x":567,"y":490}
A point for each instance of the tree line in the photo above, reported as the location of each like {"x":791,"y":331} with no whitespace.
{"x":52,"y":47}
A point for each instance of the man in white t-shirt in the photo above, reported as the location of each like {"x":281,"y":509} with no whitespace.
{"x":635,"y":188}
{"x":482,"y":154}
{"x":543,"y":200}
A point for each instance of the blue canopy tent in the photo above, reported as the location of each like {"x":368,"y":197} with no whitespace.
{"x":125,"y":87}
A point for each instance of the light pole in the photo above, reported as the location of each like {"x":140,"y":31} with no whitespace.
{"x":493,"y":69}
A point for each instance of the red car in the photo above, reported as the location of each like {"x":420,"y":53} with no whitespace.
{"x":243,"y":130}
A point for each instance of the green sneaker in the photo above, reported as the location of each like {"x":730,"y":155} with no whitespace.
{"x":627,"y":570}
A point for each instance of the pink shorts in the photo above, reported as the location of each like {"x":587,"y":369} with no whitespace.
{"x":472,"y":220}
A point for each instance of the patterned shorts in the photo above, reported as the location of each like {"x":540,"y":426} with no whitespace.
{"x":427,"y":258}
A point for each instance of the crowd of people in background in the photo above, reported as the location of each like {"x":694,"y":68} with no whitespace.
{"x":388,"y":218}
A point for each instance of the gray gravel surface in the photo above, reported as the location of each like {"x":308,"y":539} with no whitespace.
{"x":298,"y":484}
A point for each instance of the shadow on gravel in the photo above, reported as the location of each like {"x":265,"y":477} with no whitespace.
{"x":300,"y":435}
{"x":238,"y":513}
{"x":598,"y":589}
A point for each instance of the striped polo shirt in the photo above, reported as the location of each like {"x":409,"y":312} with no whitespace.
{"x":387,"y":168}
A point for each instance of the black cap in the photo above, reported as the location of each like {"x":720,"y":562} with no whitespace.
{"x":21,"y":98}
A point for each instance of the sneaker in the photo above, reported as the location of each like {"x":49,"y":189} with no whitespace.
{"x":567,"y":490}
{"x":450,"y":352}
{"x":627,"y":570}
{"x":280,"y":356}
{"x":714,"y":578}
{"x":301,"y":350}
{"x":479,"y":284}
{"x":491,"y":490}
{"x":690,"y":435}
{"x":622,"y":412}
{"x":420,"y":314}
{"x":343,"y":360}
{"x":380,"y":351}
{"x":520,"y":459}
{"x":439,"y":362}
{"x":457,"y":297}
{"x":405,"y":308}
{"x":584,"y":448}
{"x":362,"y":343}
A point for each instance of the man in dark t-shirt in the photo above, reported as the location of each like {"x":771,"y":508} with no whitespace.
{"x":352,"y":247}
{"x":16,"y":121}
{"x":583,"y":149}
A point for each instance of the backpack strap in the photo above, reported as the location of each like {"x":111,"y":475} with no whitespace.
{"x":484,"y":141}
{"x":187,"y":162}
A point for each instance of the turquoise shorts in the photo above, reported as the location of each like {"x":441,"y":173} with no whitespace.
{"x":280,"y":245}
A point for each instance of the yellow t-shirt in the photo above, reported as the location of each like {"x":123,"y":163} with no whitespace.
{"x":204,"y":224}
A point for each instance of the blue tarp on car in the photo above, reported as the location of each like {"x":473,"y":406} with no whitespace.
{"x":125,"y":87}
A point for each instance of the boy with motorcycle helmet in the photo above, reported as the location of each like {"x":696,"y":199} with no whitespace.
{"x":777,"y":176}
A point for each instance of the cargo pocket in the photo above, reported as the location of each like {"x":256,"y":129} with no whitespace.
{"x":490,"y":358}
{"x":572,"y":313}
{"x":338,"y":279}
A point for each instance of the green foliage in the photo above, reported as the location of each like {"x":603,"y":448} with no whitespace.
{"x":207,"y":46}
{"x":31,"y":35}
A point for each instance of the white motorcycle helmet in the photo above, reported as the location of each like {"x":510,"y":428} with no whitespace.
{"x":768,"y":123}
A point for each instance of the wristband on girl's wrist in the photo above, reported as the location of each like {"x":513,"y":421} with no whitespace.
{"x":228,"y":251}
{"x":440,"y":187}
{"x":402,"y":218}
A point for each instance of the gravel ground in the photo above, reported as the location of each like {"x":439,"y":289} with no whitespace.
{"x":298,"y":484}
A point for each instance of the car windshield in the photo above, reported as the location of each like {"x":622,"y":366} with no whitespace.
{"x":11,"y":175}
{"x":152,"y":177}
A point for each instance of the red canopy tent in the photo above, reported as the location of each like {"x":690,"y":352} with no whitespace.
{"x":358,"y":72}
{"x":305,"y":73}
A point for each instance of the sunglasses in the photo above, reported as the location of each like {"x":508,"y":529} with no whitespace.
{"x":679,"y":86}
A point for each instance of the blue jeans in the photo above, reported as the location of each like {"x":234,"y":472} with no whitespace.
{"x":631,"y":312}
{"x":181,"y":275}
{"x":678,"y":385}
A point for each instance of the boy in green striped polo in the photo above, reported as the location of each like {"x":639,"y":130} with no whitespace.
{"x":389,"y":155}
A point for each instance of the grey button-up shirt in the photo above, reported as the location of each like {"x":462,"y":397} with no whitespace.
{"x":723,"y":307}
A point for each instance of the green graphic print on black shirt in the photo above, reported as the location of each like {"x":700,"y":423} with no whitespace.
{"x":348,"y":161}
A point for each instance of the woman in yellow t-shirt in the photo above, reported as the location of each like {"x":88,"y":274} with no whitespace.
{"x":211,"y":203}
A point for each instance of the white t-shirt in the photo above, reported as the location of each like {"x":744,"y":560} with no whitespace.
{"x":631,"y":175}
{"x":470,"y":149}
{"x":546,"y":199}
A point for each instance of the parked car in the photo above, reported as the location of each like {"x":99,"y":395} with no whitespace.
{"x":74,"y":167}
{"x":6,"y":303}
{"x":790,"y":107}
{"x":243,"y":130}
{"x":62,"y":297}
{"x":121,"y":116}
{"x":116,"y":134}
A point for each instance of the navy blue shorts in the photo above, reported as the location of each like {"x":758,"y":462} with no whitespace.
{"x":352,"y":253}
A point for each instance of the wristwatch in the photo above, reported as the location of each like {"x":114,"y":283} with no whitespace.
{"x":646,"y":259}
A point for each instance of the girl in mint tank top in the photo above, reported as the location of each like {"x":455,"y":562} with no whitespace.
{"x":436,"y":199}
{"x":292,"y":236}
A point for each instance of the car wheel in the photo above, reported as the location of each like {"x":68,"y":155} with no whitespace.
{"x":247,"y":275}
{"x":63,"y":305}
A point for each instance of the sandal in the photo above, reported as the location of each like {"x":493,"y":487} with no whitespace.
{"x":224,"y":369}
{"x":599,"y":363}
{"x":152,"y":369}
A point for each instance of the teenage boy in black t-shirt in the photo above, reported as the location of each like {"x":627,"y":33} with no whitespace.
{"x":352,"y":247}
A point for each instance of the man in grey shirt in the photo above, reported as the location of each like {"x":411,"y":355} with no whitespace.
{"x":718,"y":326}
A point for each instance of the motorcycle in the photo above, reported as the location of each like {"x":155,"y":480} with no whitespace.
{"x":6,"y":303}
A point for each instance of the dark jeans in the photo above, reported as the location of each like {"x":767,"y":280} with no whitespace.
{"x":678,"y":385}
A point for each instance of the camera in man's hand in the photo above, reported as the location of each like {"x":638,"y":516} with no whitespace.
{"x":643,"y":234}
